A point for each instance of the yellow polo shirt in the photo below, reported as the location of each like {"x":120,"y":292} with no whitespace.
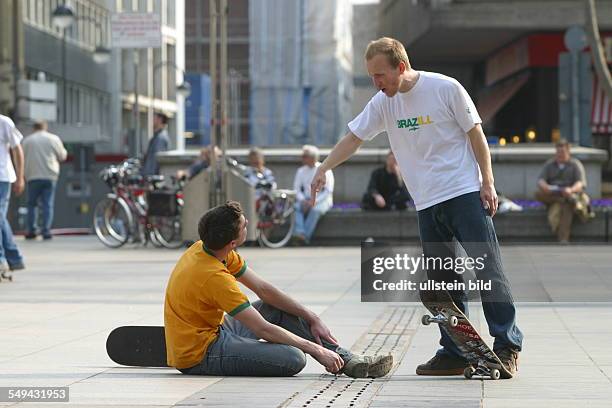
{"x":201,"y":288}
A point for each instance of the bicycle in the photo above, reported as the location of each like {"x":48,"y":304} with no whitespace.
{"x":138,"y":207}
{"x":274,"y":208}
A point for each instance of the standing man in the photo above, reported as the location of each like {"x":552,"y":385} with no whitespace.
{"x":307,"y":212}
{"x":43,"y":152}
{"x":436,"y":135}
{"x":158,"y":143}
{"x":10,"y":139}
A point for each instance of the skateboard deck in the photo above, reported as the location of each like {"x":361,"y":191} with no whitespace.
{"x":483,"y":361}
{"x":140,"y":346}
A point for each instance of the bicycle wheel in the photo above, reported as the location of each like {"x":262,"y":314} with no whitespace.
{"x":167,"y":231}
{"x":275,"y":231}
{"x":113,"y":221}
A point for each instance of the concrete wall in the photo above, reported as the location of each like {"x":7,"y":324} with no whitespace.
{"x":516,"y":168}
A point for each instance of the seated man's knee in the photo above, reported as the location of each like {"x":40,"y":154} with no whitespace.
{"x":296,"y":361}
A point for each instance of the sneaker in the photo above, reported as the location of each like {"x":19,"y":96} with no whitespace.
{"x":360,"y":366}
{"x":509,"y":359}
{"x":356,"y":367}
{"x":443,"y":364}
{"x":30,"y":235}
{"x":379,"y":366}
{"x":17,"y":267}
{"x":47,"y":237}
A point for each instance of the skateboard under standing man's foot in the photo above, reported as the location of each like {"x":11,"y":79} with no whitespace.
{"x":436,"y":135}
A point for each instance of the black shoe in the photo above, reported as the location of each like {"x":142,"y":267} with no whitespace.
{"x":17,"y":267}
{"x":47,"y":237}
{"x":443,"y":364}
{"x":509,"y":359}
{"x":30,"y":235}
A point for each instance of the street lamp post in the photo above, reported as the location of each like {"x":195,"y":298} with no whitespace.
{"x":63,"y":17}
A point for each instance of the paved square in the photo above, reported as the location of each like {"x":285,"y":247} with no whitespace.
{"x":56,"y":315}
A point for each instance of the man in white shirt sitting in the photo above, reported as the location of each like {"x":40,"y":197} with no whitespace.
{"x":307,"y":216}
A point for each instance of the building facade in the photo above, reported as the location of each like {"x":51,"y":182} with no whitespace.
{"x":506,"y":54}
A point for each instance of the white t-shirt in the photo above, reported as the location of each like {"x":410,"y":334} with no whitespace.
{"x":9,"y":138}
{"x":427,"y":128}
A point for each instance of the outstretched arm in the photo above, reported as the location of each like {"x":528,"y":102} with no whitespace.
{"x":344,"y":149}
{"x":272,"y":333}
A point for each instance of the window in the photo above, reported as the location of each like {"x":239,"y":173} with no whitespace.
{"x":171,"y":13}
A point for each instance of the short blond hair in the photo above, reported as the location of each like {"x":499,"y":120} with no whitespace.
{"x":393,"y":49}
{"x":311,"y":151}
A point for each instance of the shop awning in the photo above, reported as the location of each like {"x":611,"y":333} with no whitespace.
{"x":601,"y":110}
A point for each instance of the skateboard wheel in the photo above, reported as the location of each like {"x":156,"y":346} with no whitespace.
{"x":453,"y":321}
{"x":469,"y":372}
{"x":425,"y":319}
{"x":495,"y":374}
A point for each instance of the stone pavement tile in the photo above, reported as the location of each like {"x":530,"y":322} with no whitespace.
{"x":425,"y":402}
{"x":137,"y":387}
{"x":543,"y":402}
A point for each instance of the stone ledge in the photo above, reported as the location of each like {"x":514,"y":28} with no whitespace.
{"x":354,"y":225}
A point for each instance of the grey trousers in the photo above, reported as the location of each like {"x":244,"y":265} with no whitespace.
{"x":238,"y":351}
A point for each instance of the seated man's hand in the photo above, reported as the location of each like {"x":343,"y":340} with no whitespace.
{"x":380,"y":201}
{"x":331,"y":361}
{"x":566,"y":192}
{"x":321,"y":332}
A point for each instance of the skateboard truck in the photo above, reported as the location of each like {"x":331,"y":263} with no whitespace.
{"x":481,"y":369}
{"x":440,"y":318}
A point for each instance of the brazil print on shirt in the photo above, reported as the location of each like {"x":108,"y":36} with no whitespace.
{"x":413,"y":123}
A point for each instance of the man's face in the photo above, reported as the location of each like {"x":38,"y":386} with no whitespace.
{"x":242,"y":234}
{"x":391,"y":162}
{"x":255,"y":160}
{"x":157,"y":122}
{"x":308,"y":160}
{"x":563,"y":154}
{"x":384,"y":76}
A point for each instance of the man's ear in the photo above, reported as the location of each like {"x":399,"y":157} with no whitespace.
{"x":402,"y":67}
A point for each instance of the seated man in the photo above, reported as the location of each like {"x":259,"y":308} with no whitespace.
{"x":201,"y":340}
{"x":307,"y":217}
{"x":201,"y":163}
{"x":257,"y":170}
{"x":386,"y":189}
{"x":561,"y":187}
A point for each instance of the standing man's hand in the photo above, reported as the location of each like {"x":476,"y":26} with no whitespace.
{"x":318,"y":182}
{"x":488,"y":196}
{"x":320,"y":331}
{"x":19,"y":186}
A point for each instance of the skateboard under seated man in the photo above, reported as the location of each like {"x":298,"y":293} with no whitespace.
{"x":211,"y":328}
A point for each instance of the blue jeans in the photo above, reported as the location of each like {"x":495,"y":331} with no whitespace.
{"x":238,"y":352}
{"x":9,"y":252}
{"x":42,"y":191}
{"x":305,"y":223}
{"x":465,"y":219}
